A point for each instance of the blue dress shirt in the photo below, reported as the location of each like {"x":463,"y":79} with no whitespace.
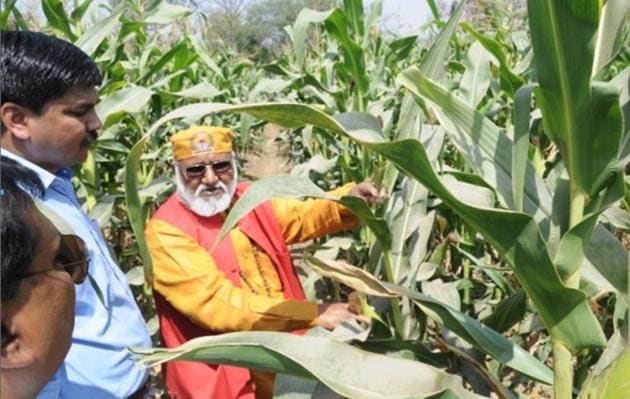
{"x":98,"y":365}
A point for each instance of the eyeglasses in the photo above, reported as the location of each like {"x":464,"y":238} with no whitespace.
{"x":218,"y":167}
{"x":72,"y":258}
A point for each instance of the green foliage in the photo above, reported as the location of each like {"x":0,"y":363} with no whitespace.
{"x":326,"y":359}
{"x":504,"y":158}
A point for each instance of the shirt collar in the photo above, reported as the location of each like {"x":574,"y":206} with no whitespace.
{"x":45,"y":176}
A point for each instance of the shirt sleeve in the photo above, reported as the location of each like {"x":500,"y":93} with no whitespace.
{"x":302,"y":220}
{"x":187,"y":276}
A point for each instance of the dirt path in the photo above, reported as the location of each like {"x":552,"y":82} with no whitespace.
{"x":268,"y":157}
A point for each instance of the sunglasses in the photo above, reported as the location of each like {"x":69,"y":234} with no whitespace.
{"x":72,"y":258}
{"x":218,"y":167}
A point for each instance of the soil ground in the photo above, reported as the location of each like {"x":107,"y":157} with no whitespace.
{"x":268,"y":157}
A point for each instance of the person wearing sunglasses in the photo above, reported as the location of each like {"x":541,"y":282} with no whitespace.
{"x":48,"y":124}
{"x":247,"y":281}
{"x":39,"y":267}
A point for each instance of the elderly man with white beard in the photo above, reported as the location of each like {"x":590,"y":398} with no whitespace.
{"x":247,"y":281}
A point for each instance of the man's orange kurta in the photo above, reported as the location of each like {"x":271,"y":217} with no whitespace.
{"x":251,"y":286}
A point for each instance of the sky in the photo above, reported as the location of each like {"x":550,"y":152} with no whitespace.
{"x":405,"y":16}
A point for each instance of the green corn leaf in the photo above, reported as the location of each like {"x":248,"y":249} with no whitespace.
{"x":582,"y":117}
{"x":94,"y":36}
{"x":166,"y":13}
{"x":609,"y":378}
{"x":610,"y":33}
{"x":522,"y":105}
{"x":159,"y":65}
{"x":472,"y":194}
{"x":407,"y":207}
{"x":407,"y":214}
{"x":487,"y":150}
{"x":300,"y":187}
{"x":135,"y":207}
{"x":489,"y":153}
{"x":571,"y":249}
{"x":204,"y":55}
{"x":201,"y":90}
{"x":471,"y":330}
{"x":407,"y":220}
{"x":57,"y":17}
{"x":617,"y":217}
{"x":354,"y":12}
{"x":432,"y":65}
{"x":20,"y":21}
{"x":102,"y":211}
{"x":400,"y":48}
{"x":268,"y":86}
{"x":610,"y":259}
{"x":348,"y":371}
{"x":361,"y":123}
{"x":435,"y":10}
{"x":8,"y":8}
{"x":305,"y":18}
{"x":337,"y":26}
{"x":510,"y":82}
{"x":315,"y":164}
{"x":565,"y":311}
{"x":376,"y":10}
{"x":508,"y":312}
{"x":476,"y":79}
{"x":516,"y":236}
{"x":495,"y":275}
{"x":131,"y":99}
{"x":79,"y":11}
{"x":622,"y":81}
{"x":168,"y":80}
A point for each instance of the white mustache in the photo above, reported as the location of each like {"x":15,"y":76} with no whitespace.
{"x":206,"y":187}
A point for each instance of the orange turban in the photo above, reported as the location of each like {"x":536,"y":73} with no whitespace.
{"x":199,"y":140}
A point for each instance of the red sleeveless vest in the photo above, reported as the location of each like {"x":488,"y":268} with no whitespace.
{"x":193,"y":380}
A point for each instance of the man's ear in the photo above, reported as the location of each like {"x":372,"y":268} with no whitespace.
{"x":15,"y":352}
{"x":14,"y":118}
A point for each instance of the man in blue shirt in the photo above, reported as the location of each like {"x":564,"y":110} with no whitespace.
{"x":48,"y":124}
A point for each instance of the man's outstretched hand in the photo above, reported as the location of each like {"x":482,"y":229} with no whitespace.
{"x":333,"y":314}
{"x":368,"y":192}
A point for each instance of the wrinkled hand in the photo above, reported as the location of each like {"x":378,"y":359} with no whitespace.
{"x":368,"y":192}
{"x":333,"y":314}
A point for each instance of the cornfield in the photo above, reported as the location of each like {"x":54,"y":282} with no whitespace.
{"x":497,"y":267}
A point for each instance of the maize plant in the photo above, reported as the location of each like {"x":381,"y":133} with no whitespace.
{"x":499,"y":263}
{"x":544,"y":228}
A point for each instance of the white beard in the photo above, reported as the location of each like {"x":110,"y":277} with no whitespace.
{"x":206,"y":206}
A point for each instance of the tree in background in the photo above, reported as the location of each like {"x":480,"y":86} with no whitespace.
{"x":265,"y":20}
{"x":253,"y":26}
{"x":490,"y":15}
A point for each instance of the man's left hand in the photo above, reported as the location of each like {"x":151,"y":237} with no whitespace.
{"x":368,"y":192}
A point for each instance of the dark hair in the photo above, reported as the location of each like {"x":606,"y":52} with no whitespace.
{"x":18,"y":236}
{"x":36,"y":68}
